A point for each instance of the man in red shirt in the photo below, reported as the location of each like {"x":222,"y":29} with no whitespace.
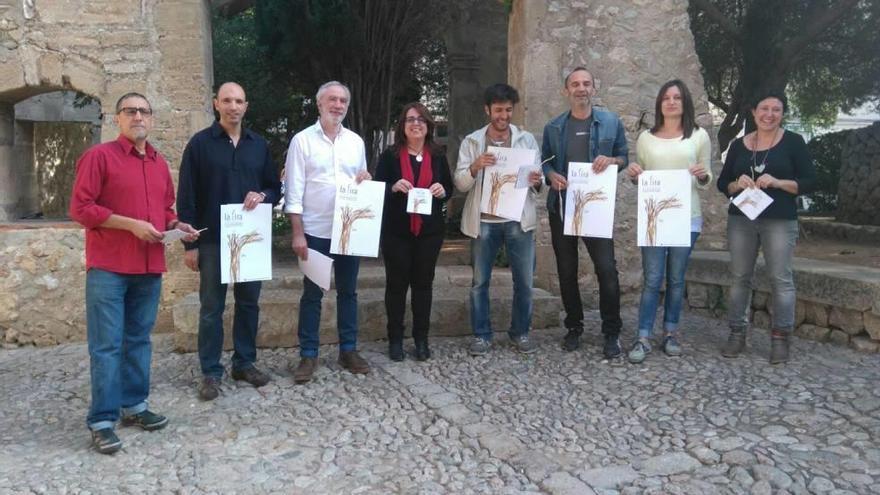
{"x":123,"y":196}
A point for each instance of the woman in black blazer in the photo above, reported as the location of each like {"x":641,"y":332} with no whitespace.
{"x":411,"y":242}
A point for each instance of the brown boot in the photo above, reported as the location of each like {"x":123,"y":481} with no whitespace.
{"x":736,"y":343}
{"x":305,"y":370}
{"x":779,"y":346}
{"x":353,"y":362}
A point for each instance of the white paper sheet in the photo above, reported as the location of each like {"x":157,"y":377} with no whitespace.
{"x":357,"y":219}
{"x":419,"y":201}
{"x":664,"y":209}
{"x":317,"y":268}
{"x":500,"y":197}
{"x":245,"y":243}
{"x":752,"y":201}
{"x":590,"y":200}
{"x":522,"y":177}
{"x":172,"y":235}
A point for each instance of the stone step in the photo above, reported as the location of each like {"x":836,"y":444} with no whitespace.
{"x":279,"y":315}
{"x":455,"y":251}
{"x":289,"y":276}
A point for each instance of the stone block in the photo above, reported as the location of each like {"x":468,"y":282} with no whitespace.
{"x":800,"y":312}
{"x":816,"y":314}
{"x":872,"y":324}
{"x":848,"y":320}
{"x":838,"y":337}
{"x":862,"y":343}
{"x":697,"y":296}
{"x":760,"y":299}
{"x":813,"y":332}
{"x":279,"y":307}
{"x":761,"y":319}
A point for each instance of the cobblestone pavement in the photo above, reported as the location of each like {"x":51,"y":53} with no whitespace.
{"x":550,"y":422}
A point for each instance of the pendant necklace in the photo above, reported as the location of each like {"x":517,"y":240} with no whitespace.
{"x":760,"y":168}
{"x":418,"y":154}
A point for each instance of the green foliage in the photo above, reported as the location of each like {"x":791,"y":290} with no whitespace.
{"x":280,"y":224}
{"x":275,"y":104}
{"x":823,"y":53}
{"x":826,"y":151}
{"x":384,"y":51}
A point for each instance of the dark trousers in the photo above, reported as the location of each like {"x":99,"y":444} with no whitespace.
{"x":212,"y":295}
{"x":602,"y":253}
{"x":409,"y":264}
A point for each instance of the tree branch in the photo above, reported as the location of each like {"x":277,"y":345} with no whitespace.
{"x":719,"y":17}
{"x":814,"y":27}
{"x":720,"y":103}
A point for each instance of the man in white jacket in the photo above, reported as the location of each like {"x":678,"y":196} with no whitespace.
{"x":489,"y":232}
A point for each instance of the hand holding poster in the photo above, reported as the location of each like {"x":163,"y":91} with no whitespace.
{"x":419,"y":200}
{"x":752,"y":201}
{"x":245,"y":243}
{"x":664,"y":212}
{"x":589,"y":201}
{"x":357,"y":219}
{"x":500,"y":196}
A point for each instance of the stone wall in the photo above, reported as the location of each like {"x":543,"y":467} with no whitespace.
{"x":631,"y":48}
{"x":858,"y":192}
{"x":835,"y":303}
{"x":103,"y":48}
{"x":42,"y":279}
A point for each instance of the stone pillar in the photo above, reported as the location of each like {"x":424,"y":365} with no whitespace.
{"x":8,"y":190}
{"x":631,"y":48}
{"x":476,"y":48}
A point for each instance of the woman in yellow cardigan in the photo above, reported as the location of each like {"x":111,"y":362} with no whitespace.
{"x":675,"y":142}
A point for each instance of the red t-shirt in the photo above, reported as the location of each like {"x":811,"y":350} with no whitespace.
{"x":113,"y":178}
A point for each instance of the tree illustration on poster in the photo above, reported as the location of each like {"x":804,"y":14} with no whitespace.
{"x":349,"y":217}
{"x":498,"y":181}
{"x":653,"y":208}
{"x":236,"y":243}
{"x":581,"y":200}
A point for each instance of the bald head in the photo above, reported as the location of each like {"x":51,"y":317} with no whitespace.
{"x":231,"y":104}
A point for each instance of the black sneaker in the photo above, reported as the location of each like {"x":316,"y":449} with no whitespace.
{"x":146,"y":419}
{"x":572,"y":340}
{"x":105,"y":441}
{"x":251,"y":375}
{"x":611,"y":349}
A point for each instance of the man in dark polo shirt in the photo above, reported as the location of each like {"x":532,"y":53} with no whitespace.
{"x":123,"y":196}
{"x":224,"y":164}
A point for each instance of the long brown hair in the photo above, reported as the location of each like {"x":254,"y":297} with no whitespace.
{"x":688,"y":115}
{"x":400,"y":134}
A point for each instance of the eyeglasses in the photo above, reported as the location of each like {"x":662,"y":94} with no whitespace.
{"x":415,"y":120}
{"x":131,"y":111}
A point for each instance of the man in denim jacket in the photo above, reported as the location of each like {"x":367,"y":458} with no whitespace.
{"x":583,"y":134}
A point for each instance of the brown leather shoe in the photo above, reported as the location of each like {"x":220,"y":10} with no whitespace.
{"x":353,"y":362}
{"x":305,"y":370}
{"x":251,"y":375}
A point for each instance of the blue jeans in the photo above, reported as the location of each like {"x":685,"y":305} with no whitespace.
{"x":777,"y":239}
{"x":345,"y":271}
{"x":212,"y":295}
{"x":657,"y":262}
{"x":120,"y":313}
{"x":520,"y":247}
